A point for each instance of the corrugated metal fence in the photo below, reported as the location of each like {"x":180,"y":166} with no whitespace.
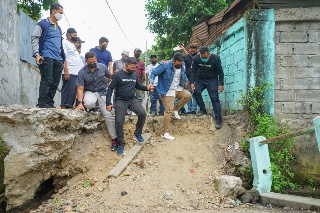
{"x":26,"y":27}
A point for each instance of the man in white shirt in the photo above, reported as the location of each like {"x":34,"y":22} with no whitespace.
{"x":72,"y":65}
{"x":154,"y":96}
{"x":171,"y":79}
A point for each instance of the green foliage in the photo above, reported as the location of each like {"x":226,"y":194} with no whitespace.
{"x":172,"y":21}
{"x":311,"y":184}
{"x":33,"y":7}
{"x":265,"y":125}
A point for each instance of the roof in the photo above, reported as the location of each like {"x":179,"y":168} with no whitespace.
{"x":211,"y":28}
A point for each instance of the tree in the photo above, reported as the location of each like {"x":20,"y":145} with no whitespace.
{"x":33,"y":7}
{"x":172,"y":20}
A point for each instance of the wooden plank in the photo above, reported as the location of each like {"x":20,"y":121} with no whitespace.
{"x":126,"y":160}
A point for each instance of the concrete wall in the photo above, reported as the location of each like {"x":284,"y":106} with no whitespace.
{"x":19,"y":83}
{"x":297,"y":80}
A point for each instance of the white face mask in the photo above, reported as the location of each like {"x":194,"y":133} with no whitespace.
{"x":58,"y":16}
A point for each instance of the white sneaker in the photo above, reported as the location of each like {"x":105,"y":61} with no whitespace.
{"x":176,"y":114}
{"x":167,"y":136}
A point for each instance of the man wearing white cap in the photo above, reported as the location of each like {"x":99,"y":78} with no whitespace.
{"x":119,"y":64}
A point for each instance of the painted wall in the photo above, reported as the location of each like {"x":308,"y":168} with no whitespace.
{"x":247,"y":54}
{"x":297,"y":81}
{"x":19,"y":83}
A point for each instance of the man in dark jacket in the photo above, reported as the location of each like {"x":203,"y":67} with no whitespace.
{"x":48,"y":50}
{"x":207,"y":72}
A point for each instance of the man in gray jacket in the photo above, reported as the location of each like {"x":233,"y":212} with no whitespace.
{"x":48,"y":50}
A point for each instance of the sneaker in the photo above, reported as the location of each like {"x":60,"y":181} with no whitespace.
{"x":176,"y":114}
{"x":43,"y":106}
{"x":167,"y":136}
{"x":201,"y":113}
{"x":161,"y":114}
{"x":193,"y":112}
{"x":218,"y":124}
{"x":114,"y":145}
{"x":120,"y":150}
{"x":140,"y":138}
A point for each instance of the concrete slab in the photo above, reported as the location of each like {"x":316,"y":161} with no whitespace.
{"x":292,"y":201}
{"x":126,"y":160}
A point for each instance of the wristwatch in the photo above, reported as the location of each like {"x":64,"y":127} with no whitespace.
{"x":79,"y":102}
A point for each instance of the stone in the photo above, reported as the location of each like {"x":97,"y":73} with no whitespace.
{"x":92,"y":182}
{"x":250,"y":196}
{"x":228,"y":185}
{"x":68,"y":209}
{"x":123,"y":193}
{"x":195,"y":205}
{"x":168,"y":196}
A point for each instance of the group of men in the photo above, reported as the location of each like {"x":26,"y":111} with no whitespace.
{"x":95,"y":80}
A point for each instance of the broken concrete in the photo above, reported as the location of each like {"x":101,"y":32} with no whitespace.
{"x":40,"y":143}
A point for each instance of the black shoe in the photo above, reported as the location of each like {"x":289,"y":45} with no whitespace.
{"x":51,"y":106}
{"x":218,"y":124}
{"x":193,"y":112}
{"x":43,"y":106}
{"x":201,"y":113}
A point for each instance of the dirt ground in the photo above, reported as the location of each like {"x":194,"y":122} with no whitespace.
{"x":166,"y":176}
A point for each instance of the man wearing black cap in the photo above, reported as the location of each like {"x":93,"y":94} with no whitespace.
{"x":72,"y":65}
{"x":207,"y":72}
{"x":140,"y":70}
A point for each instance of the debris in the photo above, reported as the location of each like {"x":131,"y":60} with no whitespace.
{"x":123,"y":193}
{"x":228,"y":185}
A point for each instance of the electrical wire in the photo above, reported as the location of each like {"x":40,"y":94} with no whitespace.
{"x":67,"y":19}
{"x":118,"y":23}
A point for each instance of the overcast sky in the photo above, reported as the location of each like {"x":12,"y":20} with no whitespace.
{"x":93,"y":19}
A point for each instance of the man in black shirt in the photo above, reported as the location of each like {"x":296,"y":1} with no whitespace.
{"x":125,"y":82}
{"x":207,"y":72}
{"x":188,"y":58}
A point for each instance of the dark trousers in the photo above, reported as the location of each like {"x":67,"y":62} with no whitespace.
{"x":212,"y":87}
{"x":154,"y":96}
{"x":68,"y":91}
{"x":121,"y":109}
{"x":50,"y":70}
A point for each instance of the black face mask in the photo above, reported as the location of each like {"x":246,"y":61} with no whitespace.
{"x":92,"y":66}
{"x":177,"y":66}
{"x":124,"y":58}
{"x":74,"y":39}
{"x":137,"y":55}
{"x":153,"y":62}
{"x":103,"y":47}
{"x":193,"y":54}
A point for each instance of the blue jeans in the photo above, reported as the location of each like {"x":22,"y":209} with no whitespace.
{"x":154,"y":96}
{"x":192,"y":104}
{"x":212,"y":87}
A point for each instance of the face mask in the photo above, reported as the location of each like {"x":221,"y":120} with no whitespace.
{"x":204,"y":60}
{"x":137,"y":55}
{"x":103,"y":47}
{"x":193,"y":55}
{"x":92,"y":66}
{"x":124,"y":58}
{"x":177,"y":66}
{"x":153,"y":62}
{"x":74,"y":39}
{"x":58,"y":16}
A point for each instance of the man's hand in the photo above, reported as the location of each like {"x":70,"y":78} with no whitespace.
{"x":80,"y":107}
{"x":66,"y":75}
{"x":220,"y":88}
{"x":192,"y":87}
{"x":150,"y":87}
{"x":109,"y":108}
{"x":187,"y":85}
{"x":115,"y":71}
{"x":39,"y":59}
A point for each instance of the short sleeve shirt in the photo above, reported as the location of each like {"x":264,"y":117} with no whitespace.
{"x":103,"y":56}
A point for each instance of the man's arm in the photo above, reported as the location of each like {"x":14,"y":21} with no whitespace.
{"x":220,"y":70}
{"x":37,"y":31}
{"x":114,"y":65}
{"x":110,"y":68}
{"x":80,"y":90}
{"x":183,"y":49}
{"x":156,"y":71}
{"x":112,"y":85}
